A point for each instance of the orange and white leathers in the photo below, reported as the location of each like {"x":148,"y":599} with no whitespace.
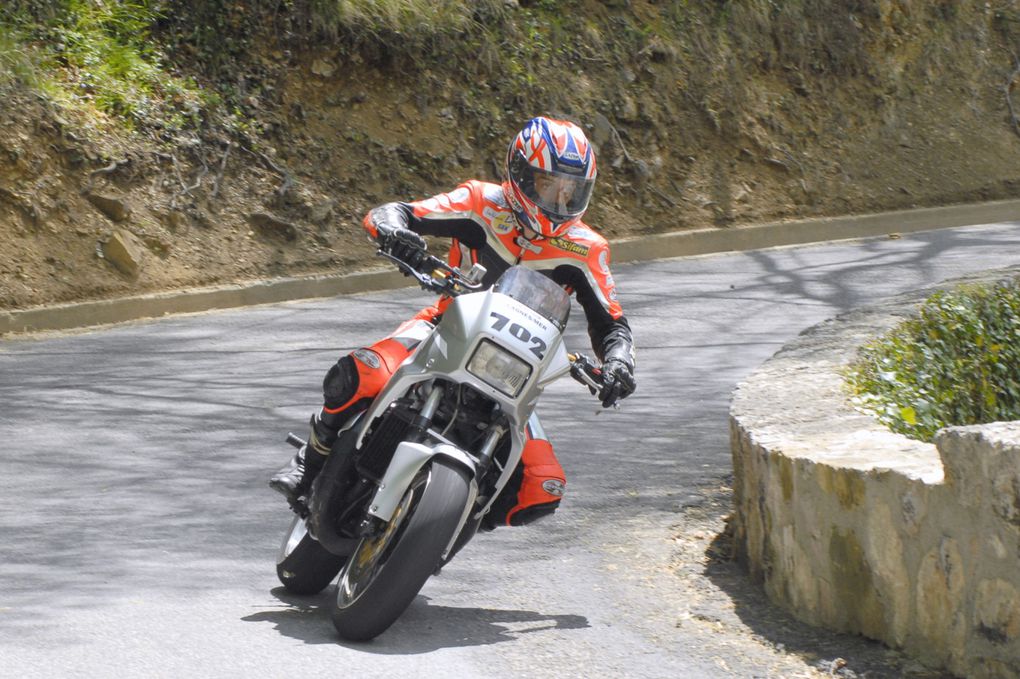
{"x":482,"y":228}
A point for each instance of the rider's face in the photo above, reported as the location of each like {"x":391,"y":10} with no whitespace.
{"x":553,"y":190}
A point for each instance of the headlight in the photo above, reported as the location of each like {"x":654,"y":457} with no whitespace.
{"x":499,"y":368}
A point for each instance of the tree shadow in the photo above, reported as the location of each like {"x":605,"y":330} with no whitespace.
{"x":423,"y":628}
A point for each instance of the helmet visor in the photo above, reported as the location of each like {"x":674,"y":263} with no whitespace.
{"x":558,"y":194}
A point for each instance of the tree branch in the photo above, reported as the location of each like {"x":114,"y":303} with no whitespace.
{"x":112,"y":167}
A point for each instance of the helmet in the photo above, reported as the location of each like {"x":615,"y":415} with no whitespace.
{"x":550,"y":168}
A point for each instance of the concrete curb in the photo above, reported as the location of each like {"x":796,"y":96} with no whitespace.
{"x":660,"y":246}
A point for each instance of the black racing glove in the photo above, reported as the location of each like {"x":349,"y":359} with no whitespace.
{"x":404,"y":244}
{"x":617,"y":382}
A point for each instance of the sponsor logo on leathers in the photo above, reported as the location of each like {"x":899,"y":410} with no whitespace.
{"x":570,"y":246}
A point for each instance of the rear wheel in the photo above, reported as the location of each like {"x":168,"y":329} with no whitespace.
{"x":384,"y":573}
{"x":303,"y":565}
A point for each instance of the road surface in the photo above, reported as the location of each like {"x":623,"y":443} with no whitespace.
{"x":138,"y":535}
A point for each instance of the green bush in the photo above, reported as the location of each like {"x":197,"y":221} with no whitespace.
{"x":956,"y":363}
{"x":17,"y":60}
{"x":94,"y":56}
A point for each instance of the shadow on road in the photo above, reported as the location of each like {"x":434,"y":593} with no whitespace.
{"x":423,"y":628}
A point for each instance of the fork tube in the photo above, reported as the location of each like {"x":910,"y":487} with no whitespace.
{"x":420,"y":424}
{"x":489,"y":447}
{"x":431,"y":403}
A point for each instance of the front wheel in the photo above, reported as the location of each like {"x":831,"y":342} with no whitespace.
{"x":303,"y":565}
{"x":385,"y":572}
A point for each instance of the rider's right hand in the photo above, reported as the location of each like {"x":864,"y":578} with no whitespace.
{"x":404,"y":244}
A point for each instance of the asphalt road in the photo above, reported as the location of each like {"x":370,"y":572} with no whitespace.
{"x":137,"y":533}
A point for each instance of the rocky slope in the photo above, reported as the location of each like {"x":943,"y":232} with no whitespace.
{"x":705,"y":115}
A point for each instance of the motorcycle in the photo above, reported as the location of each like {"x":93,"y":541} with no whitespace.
{"x":408,"y":482}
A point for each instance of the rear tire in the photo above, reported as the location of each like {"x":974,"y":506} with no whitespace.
{"x":303,"y":565}
{"x":384,"y":574}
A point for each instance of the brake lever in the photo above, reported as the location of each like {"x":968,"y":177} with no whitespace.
{"x":452,"y":284}
{"x":425,"y":280}
{"x":584,"y":371}
{"x":457,"y":281}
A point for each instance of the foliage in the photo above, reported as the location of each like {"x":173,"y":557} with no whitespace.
{"x":412,"y":19}
{"x":96,"y":55}
{"x":956,"y":363}
{"x":17,"y":59}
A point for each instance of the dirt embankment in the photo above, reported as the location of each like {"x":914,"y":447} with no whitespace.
{"x":716,"y":115}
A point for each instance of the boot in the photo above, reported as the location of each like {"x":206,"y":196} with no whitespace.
{"x":295,"y":479}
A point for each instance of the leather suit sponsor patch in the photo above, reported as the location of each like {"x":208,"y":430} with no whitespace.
{"x":570,"y":246}
{"x":500,"y":222}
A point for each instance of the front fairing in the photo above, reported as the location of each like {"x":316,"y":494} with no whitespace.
{"x":469,"y":320}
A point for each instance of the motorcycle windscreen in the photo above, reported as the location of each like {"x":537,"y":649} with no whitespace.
{"x":537,"y":292}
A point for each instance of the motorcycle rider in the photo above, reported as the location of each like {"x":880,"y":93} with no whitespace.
{"x":532,"y":219}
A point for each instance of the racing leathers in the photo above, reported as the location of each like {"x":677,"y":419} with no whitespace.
{"x":483,"y":229}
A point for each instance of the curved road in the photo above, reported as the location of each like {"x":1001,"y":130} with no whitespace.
{"x":137,"y":533}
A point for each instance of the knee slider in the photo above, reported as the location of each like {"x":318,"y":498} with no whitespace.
{"x":341,"y":383}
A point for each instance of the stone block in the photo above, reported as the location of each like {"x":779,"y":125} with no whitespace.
{"x":115,"y":209}
{"x":940,"y":589}
{"x":997,"y":613}
{"x":884,"y":551}
{"x":273,"y":227}
{"x":860,"y":608}
{"x":123,"y":251}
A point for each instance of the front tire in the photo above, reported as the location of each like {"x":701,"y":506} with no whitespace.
{"x":302,"y":564}
{"x":385,"y":573}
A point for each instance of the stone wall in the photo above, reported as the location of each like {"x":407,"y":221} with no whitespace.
{"x":855,"y":528}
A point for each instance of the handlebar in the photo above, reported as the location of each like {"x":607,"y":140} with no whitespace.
{"x":435,"y":275}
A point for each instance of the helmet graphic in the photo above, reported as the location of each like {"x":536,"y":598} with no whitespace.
{"x":550,"y":169}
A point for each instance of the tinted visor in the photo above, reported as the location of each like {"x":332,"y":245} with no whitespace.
{"x":558,"y":194}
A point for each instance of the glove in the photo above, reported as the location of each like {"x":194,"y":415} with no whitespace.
{"x":403,"y":244}
{"x":617,"y":382}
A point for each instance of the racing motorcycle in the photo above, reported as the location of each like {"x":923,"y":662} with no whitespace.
{"x":408,"y":482}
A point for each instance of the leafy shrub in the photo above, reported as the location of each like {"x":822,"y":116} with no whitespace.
{"x":93,"y":55}
{"x":409,"y":18}
{"x":956,"y":363}
{"x":17,"y":60}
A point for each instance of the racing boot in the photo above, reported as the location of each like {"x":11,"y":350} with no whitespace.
{"x":295,"y":479}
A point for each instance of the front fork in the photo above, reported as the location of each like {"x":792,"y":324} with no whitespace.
{"x":408,"y":460}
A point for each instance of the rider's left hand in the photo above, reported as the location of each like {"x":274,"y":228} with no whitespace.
{"x":617,"y":382}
